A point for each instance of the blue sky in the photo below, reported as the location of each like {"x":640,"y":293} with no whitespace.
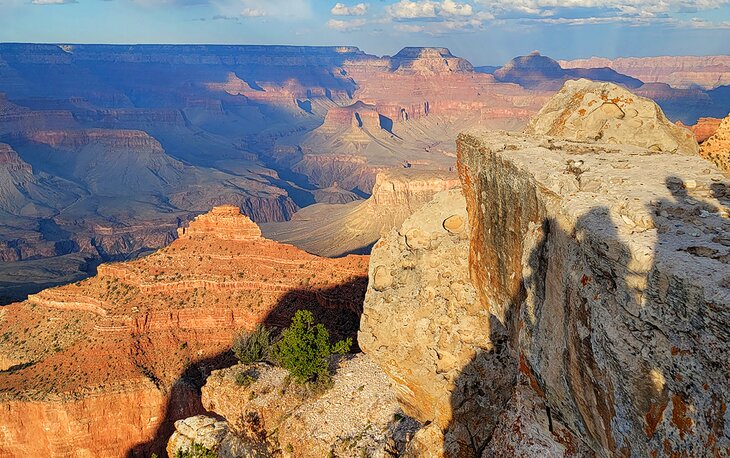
{"x":484,"y":31}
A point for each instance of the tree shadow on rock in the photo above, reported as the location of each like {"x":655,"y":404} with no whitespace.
{"x":626,"y":353}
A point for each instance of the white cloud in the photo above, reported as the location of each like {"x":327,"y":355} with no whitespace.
{"x":631,"y":8}
{"x":428,"y":9}
{"x":452,"y":8}
{"x":253,"y":12}
{"x":340,"y":9}
{"x":346,"y":26}
{"x":274,"y":9}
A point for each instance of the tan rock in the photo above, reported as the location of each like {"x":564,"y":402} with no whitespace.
{"x":428,"y":331}
{"x":357,"y":416}
{"x":215,"y":435}
{"x":620,"y":325}
{"x":604,"y":112}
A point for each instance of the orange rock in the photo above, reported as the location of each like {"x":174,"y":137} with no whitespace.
{"x":117,"y":358}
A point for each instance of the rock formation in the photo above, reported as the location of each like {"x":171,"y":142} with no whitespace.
{"x":537,"y":71}
{"x":357,"y":416}
{"x":577,"y":310}
{"x":704,"y":128}
{"x":146,"y":332}
{"x":717,"y":147}
{"x":606,"y":262}
{"x":677,"y":71}
{"x":587,"y":111}
{"x":335,"y":230}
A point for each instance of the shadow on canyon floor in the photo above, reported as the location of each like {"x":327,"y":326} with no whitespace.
{"x":338,"y":307}
{"x":577,"y":331}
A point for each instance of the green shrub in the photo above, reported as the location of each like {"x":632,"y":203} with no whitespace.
{"x":304,"y":348}
{"x":195,"y":451}
{"x":252,"y":347}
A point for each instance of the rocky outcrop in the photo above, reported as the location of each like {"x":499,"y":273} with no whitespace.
{"x":214,"y":435}
{"x":423,"y":324}
{"x":580,"y":313}
{"x":225,"y":222}
{"x":357,"y":416}
{"x":149,"y":331}
{"x":537,"y":71}
{"x":677,"y":71}
{"x":428,"y":61}
{"x":610,"y":288}
{"x":704,"y":128}
{"x":334,"y":230}
{"x":587,"y":111}
{"x":717,"y":147}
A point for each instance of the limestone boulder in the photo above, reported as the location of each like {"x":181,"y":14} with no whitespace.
{"x":214,"y":435}
{"x":588,"y":111}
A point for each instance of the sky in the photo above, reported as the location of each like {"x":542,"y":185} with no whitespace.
{"x":487,"y":32}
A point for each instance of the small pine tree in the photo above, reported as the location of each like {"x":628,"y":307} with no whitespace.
{"x":304,"y":348}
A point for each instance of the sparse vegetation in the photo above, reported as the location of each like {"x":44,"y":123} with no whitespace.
{"x":196,"y":451}
{"x":252,"y":347}
{"x":305,"y":348}
{"x":246,"y":377}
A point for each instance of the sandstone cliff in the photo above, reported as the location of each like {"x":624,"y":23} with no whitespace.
{"x":147,"y":332}
{"x":704,"y":128}
{"x":608,"y":286}
{"x":717,"y":147}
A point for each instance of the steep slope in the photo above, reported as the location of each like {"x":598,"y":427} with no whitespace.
{"x":717,"y":147}
{"x":335,"y":230}
{"x":704,"y":128}
{"x":144,"y":333}
{"x":23,"y":193}
{"x":535,"y":71}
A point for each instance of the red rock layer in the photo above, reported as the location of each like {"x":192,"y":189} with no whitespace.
{"x":114,"y":358}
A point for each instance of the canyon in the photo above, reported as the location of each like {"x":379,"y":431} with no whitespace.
{"x":127,"y":143}
{"x":548,"y":273}
{"x":148,"y":332}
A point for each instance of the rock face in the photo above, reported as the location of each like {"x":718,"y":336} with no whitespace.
{"x":357,"y":416}
{"x":334,"y":230}
{"x":704,"y":128}
{"x":215,"y":435}
{"x":428,"y":61}
{"x":537,"y":71}
{"x":149,"y":330}
{"x":677,"y":71}
{"x":424,"y":325}
{"x":717,"y":147}
{"x":612,"y":291}
{"x":587,"y":111}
